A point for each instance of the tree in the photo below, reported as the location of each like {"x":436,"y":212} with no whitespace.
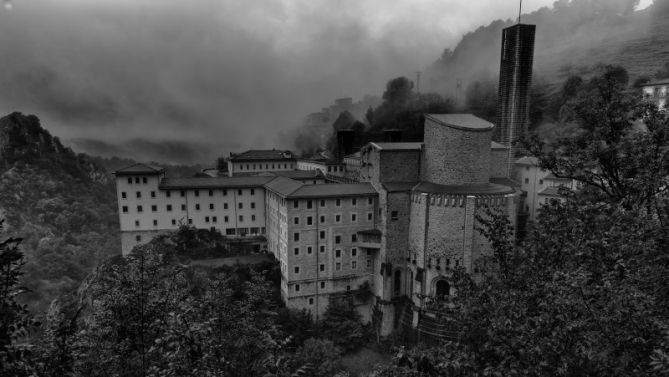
{"x":398,"y":91}
{"x":15,"y":319}
{"x":342,"y":324}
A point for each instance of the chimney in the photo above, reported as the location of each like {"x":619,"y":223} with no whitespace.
{"x":345,"y":139}
{"x":392,"y":135}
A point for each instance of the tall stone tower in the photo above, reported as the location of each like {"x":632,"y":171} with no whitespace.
{"x":515,"y":77}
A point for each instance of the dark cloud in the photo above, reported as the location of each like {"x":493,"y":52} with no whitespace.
{"x":213,"y":74}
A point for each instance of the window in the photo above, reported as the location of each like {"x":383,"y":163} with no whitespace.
{"x":296,"y":269}
{"x":240,"y":205}
{"x":197,"y":207}
{"x":394,"y":215}
{"x":296,"y":236}
{"x":297,"y":287}
{"x":354,"y":237}
{"x":311,"y":300}
{"x":296,"y":251}
{"x":183,"y":207}
{"x":241,"y":218}
{"x":321,"y":268}
{"x":354,"y":265}
{"x":144,"y":180}
{"x":354,"y":252}
{"x":253,"y":217}
{"x":125,"y":209}
{"x":129,"y":180}
{"x":206,"y":219}
{"x":230,"y":231}
{"x":370,"y":201}
{"x":296,"y":203}
{"x":226,"y":218}
{"x":197,"y":192}
{"x":527,"y":180}
{"x":322,"y":285}
{"x":213,"y":219}
{"x":296,"y":220}
{"x":155,"y":222}
{"x":322,"y":219}
{"x":310,"y":204}
{"x":309,"y":249}
{"x":211,"y":205}
{"x":338,"y":202}
{"x":174,"y":222}
{"x":138,"y":238}
{"x":123,"y":195}
{"x":322,"y":248}
{"x":136,"y":222}
{"x":354,"y":217}
{"x":154,"y":208}
{"x":541,"y":181}
{"x":337,"y":239}
{"x":168,"y":193}
{"x":322,"y":235}
{"x":139,"y":208}
{"x":337,"y":218}
{"x":310,"y":220}
{"x":183,"y":193}
{"x":153,"y":194}
{"x":139,"y":194}
{"x":322,"y":203}
{"x":225,"y":205}
{"x":211,"y":192}
{"x":225,"y":192}
{"x":253,"y":205}
{"x":337,"y":253}
{"x":239,"y":192}
{"x":338,"y":266}
{"x":169,"y":208}
{"x":354,"y":202}
{"x":136,"y":179}
{"x":369,"y":216}
{"x":253,"y":191}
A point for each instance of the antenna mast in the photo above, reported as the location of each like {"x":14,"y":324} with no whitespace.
{"x":520,"y":11}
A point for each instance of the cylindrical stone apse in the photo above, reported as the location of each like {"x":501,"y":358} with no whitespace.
{"x":457,"y":149}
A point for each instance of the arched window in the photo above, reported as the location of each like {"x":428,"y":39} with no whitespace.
{"x":442,"y":288}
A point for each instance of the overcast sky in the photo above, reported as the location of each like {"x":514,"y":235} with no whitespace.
{"x":229,"y":73}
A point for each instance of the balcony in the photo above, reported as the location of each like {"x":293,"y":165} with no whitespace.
{"x":369,"y":239}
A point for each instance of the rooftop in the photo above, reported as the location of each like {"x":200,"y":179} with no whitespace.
{"x":212,"y":183}
{"x":663,"y":81}
{"x":551,"y":191}
{"x":140,"y":169}
{"x":399,"y":186}
{"x":467,"y":122}
{"x":295,"y":174}
{"x":474,"y":189}
{"x":397,"y":146}
{"x":496,"y":145}
{"x":262,"y":155}
{"x":527,"y":160}
{"x":292,"y":189}
{"x":355,"y":155}
{"x":504,"y":182}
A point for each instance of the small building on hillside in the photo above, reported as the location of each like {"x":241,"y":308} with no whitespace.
{"x":258,"y":161}
{"x":657,"y":91}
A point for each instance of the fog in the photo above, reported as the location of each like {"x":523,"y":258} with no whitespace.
{"x":186,"y":81}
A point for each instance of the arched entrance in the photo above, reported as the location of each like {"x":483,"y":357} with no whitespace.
{"x":442,"y":288}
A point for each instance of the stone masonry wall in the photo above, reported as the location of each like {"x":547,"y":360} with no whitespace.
{"x":455,"y":156}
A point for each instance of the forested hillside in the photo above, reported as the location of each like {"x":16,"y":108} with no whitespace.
{"x":571,"y":37}
{"x":62,"y":204}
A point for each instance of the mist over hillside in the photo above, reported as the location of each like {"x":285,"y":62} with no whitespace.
{"x":571,"y":38}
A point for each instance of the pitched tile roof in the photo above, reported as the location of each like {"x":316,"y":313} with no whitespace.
{"x":474,"y":189}
{"x":262,"y":155}
{"x":504,"y":182}
{"x":212,"y":183}
{"x":461,"y":121}
{"x":527,"y":160}
{"x":283,"y":186}
{"x":334,"y":190}
{"x":551,"y":191}
{"x":397,"y":146}
{"x":664,"y":81}
{"x":140,"y":169}
{"x":496,"y":145}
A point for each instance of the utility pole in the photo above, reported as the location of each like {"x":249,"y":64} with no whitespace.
{"x":520,"y":10}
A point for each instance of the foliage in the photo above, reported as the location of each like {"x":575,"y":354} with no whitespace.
{"x":15,"y":319}
{"x":322,"y":354}
{"x":342,"y":324}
